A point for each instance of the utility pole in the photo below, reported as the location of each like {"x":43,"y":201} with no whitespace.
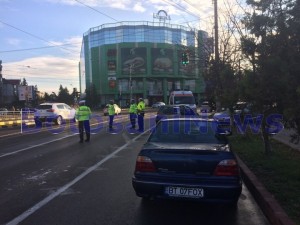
{"x":218,"y":90}
{"x":217,"y":56}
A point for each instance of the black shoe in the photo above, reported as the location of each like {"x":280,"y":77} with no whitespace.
{"x":80,"y":141}
{"x":87,"y":140}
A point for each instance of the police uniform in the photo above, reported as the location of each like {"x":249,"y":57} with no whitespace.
{"x":132,"y":113}
{"x":83,"y":115}
{"x":141,"y":113}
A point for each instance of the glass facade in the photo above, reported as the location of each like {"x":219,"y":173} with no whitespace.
{"x":139,"y":59}
{"x":140,"y":32}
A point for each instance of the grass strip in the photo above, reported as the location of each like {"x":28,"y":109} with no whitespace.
{"x":279,"y":172}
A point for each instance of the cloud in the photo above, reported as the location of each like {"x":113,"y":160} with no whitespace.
{"x":13,"y":41}
{"x":70,"y":46}
{"x":138,"y":7}
{"x":48,"y":72}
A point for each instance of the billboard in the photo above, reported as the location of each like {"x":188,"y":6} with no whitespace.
{"x":134,"y":60}
{"x":25,"y":93}
{"x":162,"y":61}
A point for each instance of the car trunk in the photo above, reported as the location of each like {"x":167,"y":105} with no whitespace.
{"x":189,"y":159}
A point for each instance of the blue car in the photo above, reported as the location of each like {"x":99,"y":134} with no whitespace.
{"x":185,"y":158}
{"x":224,"y":121}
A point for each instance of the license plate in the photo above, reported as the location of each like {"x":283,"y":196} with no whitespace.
{"x":185,"y":192}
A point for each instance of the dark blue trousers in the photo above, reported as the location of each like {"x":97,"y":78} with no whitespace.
{"x":84,"y":126}
{"x":111,"y":121}
{"x":141,"y":122}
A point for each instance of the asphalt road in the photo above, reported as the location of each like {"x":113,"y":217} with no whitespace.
{"x":47,"y":177}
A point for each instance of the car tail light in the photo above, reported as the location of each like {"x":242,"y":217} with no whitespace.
{"x":50,"y":110}
{"x":228,"y":167}
{"x":144,"y":164}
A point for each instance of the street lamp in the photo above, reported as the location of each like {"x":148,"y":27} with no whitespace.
{"x":130,"y":81}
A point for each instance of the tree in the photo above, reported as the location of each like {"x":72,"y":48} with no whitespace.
{"x":222,"y":76}
{"x":64,"y":95}
{"x":24,"y":82}
{"x":221,"y":83}
{"x":272,"y":83}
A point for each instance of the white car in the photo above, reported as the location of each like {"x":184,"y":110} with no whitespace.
{"x":54,"y":112}
{"x":158,"y":104}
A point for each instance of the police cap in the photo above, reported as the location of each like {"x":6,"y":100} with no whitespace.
{"x":82,"y":102}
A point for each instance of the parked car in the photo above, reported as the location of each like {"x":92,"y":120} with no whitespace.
{"x":3,"y":111}
{"x":117,"y":110}
{"x":158,"y":104}
{"x":205,"y":107}
{"x":54,"y":112}
{"x":224,"y":120}
{"x":171,"y":111}
{"x":185,"y":158}
{"x":242,"y":108}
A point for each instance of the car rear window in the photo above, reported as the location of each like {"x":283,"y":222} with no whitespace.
{"x":44,"y":107}
{"x":60,"y":106}
{"x":168,"y":110}
{"x":187,"y":131}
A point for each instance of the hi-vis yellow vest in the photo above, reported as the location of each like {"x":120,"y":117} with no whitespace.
{"x":83,"y":113}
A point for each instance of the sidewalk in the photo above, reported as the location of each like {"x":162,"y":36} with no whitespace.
{"x":285,"y":136}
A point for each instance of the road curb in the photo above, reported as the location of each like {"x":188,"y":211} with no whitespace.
{"x":268,"y":204}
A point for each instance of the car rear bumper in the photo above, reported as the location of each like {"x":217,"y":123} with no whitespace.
{"x":45,"y":119}
{"x":212,"y":193}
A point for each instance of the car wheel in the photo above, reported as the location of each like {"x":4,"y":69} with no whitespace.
{"x":59,"y":120}
{"x":38,"y":123}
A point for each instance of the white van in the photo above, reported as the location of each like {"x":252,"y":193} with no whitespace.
{"x":182,"y":98}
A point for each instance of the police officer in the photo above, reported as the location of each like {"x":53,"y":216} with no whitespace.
{"x":111,"y":113}
{"x":83,"y":115}
{"x":141,"y":113}
{"x":132,"y":113}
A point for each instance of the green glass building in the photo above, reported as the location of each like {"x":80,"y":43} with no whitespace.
{"x":129,"y":60}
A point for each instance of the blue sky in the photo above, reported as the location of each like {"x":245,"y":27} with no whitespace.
{"x":41,"y":39}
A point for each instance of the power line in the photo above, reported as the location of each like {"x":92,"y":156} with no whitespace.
{"x":60,"y":46}
{"x":117,"y":36}
{"x":181,"y":8}
{"x":96,"y":10}
{"x":32,"y":35}
{"x":36,"y":48}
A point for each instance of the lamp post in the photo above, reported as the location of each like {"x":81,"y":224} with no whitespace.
{"x":130,"y":81}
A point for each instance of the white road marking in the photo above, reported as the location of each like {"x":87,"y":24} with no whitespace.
{"x":34,"y":146}
{"x":50,"y":197}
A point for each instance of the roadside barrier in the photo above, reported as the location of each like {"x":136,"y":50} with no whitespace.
{"x":15,"y":118}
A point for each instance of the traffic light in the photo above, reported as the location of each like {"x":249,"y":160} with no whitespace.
{"x":184,"y":58}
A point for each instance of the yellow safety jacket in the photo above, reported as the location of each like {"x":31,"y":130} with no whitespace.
{"x":141,"y":107}
{"x":111,"y":109}
{"x":83,"y":113}
{"x":133,"y":108}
